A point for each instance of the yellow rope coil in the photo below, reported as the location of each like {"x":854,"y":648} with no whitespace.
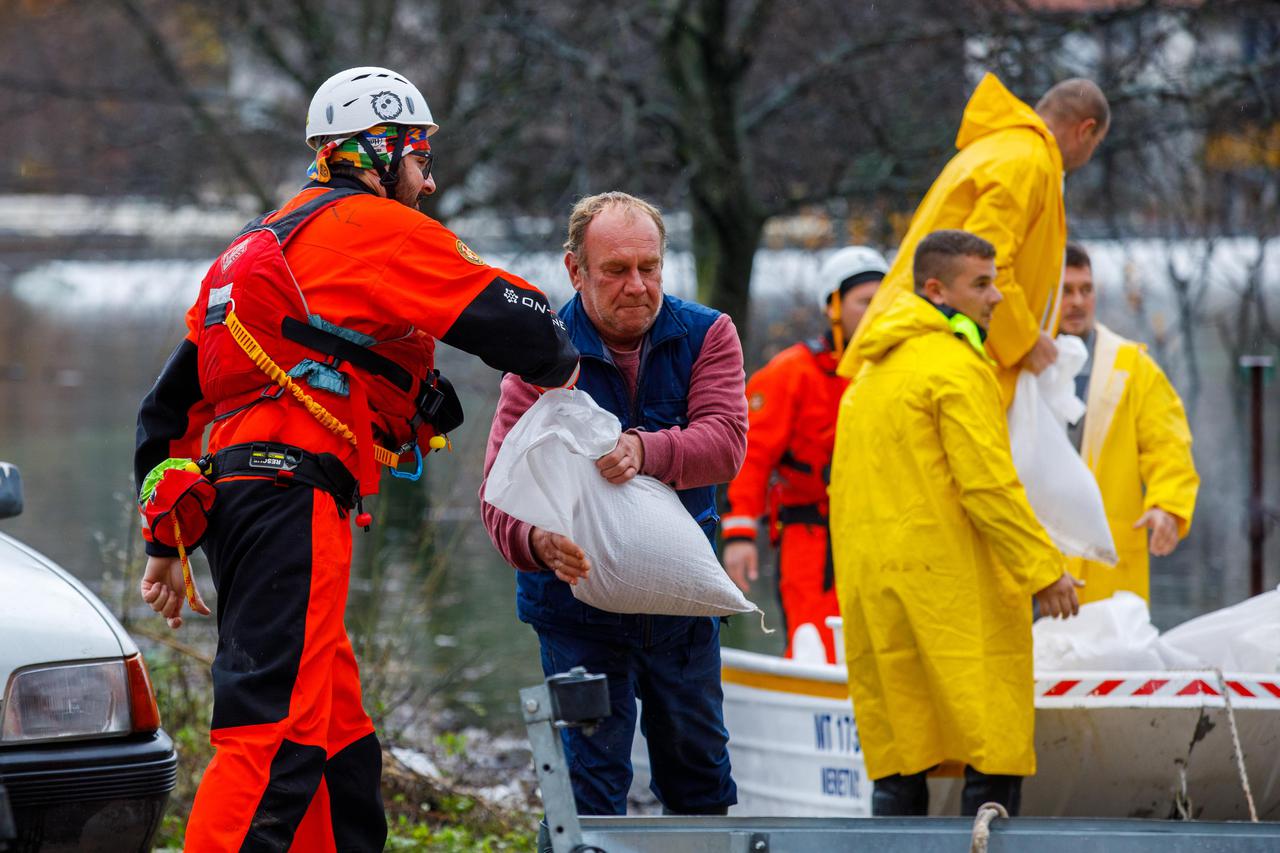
{"x":258,"y":355}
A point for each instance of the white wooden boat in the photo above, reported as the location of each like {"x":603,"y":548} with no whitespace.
{"x":1109,"y":744}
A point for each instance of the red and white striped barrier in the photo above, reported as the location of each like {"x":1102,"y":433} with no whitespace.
{"x":1244,"y":689}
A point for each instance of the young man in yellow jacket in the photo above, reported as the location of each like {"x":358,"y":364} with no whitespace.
{"x":937,"y":552}
{"x":1134,"y":438}
{"x":1005,"y":185}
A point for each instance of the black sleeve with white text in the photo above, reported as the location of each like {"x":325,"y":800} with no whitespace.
{"x":514,"y":329}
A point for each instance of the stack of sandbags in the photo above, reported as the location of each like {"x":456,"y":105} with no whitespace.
{"x":1110,"y":635}
{"x":1116,"y":634}
{"x":1244,"y":637}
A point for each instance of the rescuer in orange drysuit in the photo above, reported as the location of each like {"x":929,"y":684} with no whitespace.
{"x":792,"y":403}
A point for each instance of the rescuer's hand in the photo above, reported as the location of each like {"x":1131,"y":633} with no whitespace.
{"x":1164,"y":531}
{"x":560,"y":554}
{"x":164,"y":590}
{"x":624,"y":461}
{"x":1043,"y":354}
{"x":1058,"y":599}
{"x":742,"y":562}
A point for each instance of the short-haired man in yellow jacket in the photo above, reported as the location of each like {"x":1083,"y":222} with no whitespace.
{"x":937,"y":552}
{"x":1134,"y":438}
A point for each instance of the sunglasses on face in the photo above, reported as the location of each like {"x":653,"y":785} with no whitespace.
{"x":424,"y":161}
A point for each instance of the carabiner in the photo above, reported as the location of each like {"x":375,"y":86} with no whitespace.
{"x":405,"y":475}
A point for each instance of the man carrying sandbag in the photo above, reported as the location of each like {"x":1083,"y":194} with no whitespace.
{"x":1135,"y":439}
{"x":1005,"y":185}
{"x":937,"y":553}
{"x":672,"y":373}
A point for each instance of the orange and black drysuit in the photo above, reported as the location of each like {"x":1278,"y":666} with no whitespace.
{"x":297,"y":762}
{"x":792,"y":405}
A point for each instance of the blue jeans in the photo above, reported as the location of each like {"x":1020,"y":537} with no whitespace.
{"x":681,"y":716}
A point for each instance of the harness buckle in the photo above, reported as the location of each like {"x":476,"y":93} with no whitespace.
{"x":280,"y":459}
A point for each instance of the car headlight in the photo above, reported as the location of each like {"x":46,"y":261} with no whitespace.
{"x":47,"y":702}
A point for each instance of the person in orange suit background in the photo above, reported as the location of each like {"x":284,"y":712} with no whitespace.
{"x":792,"y":404}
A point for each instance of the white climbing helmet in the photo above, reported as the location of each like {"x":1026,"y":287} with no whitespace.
{"x":360,"y":98}
{"x":844,"y":264}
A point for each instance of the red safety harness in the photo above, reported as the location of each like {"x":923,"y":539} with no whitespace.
{"x":382,"y":396}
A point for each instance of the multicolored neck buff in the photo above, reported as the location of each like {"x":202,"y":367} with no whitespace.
{"x":382,"y":138}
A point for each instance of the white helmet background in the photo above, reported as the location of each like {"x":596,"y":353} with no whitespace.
{"x":844,"y":263}
{"x":360,"y":98}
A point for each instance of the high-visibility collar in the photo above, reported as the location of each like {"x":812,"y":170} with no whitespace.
{"x":963,"y":327}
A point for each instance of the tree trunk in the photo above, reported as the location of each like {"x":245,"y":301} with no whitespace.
{"x":706,"y":78}
{"x":725,"y":236}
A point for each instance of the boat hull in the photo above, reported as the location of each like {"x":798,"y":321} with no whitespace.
{"x":1151,"y":745}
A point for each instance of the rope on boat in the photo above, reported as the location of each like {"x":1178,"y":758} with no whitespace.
{"x":987,"y":812}
{"x":1235,"y":746}
{"x":1181,"y":800}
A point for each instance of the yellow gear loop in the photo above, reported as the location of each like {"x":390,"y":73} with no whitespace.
{"x":186,"y":565}
{"x":254,"y":350}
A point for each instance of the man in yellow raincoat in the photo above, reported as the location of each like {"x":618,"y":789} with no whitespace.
{"x":1134,"y":438}
{"x":937,"y":552}
{"x":1005,"y":185}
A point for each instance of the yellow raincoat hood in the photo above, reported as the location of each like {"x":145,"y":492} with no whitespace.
{"x":1005,"y":185}
{"x":906,"y":319}
{"x":903,"y":320}
{"x":937,"y":553}
{"x":992,"y":108}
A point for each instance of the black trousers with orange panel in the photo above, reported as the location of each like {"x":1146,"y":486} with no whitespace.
{"x":805,"y":585}
{"x":297,"y":764}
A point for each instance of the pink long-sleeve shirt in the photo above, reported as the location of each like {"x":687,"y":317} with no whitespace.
{"x":708,"y":451}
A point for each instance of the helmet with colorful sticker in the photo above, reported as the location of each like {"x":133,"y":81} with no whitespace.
{"x":360,"y":98}
{"x":851,"y":262}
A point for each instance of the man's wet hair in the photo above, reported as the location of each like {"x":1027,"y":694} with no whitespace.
{"x":937,"y":253}
{"x":1074,"y":101}
{"x":1077,"y":257}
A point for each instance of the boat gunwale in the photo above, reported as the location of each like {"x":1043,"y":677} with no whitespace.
{"x":822,"y":681}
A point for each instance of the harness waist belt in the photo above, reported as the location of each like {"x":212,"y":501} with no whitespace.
{"x":801,"y":514}
{"x":287,"y":465}
{"x":790,"y":461}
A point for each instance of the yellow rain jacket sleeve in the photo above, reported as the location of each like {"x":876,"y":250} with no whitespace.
{"x":937,"y":554}
{"x":1005,"y":185}
{"x":1138,"y":445}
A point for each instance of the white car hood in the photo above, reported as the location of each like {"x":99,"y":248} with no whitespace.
{"x":46,"y":615}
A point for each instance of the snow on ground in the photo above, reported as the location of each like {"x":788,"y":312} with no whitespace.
{"x":70,"y":215}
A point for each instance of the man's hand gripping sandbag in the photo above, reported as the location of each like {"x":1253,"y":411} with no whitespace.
{"x":647,"y":553}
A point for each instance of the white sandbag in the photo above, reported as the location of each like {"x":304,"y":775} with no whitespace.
{"x":1244,"y":637}
{"x":1057,"y":382}
{"x":647,"y":554}
{"x":1060,"y":487}
{"x":1113,"y":634}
